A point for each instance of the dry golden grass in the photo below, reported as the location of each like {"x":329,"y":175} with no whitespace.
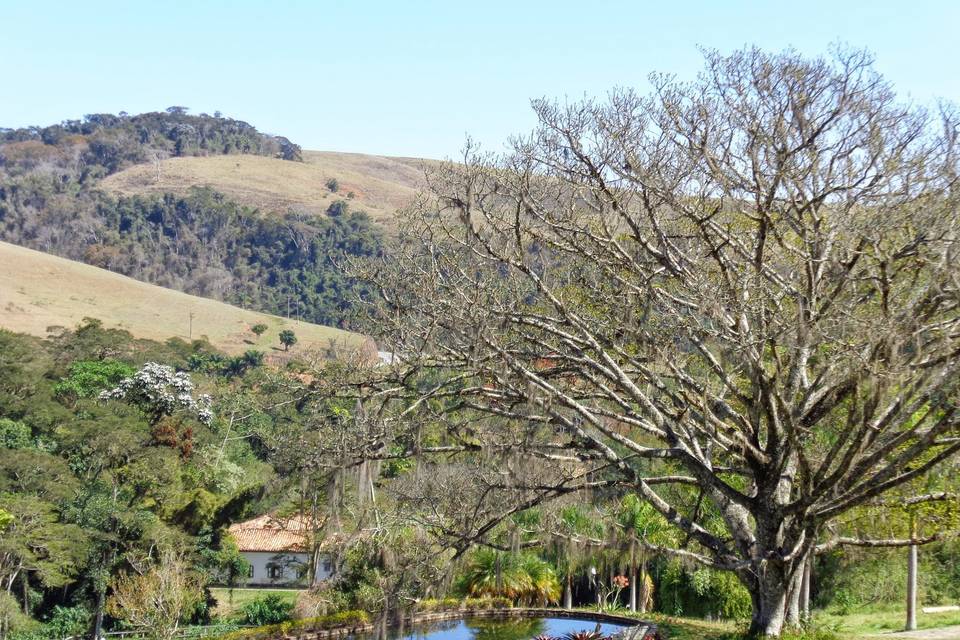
{"x":38,"y":290}
{"x":380,"y":184}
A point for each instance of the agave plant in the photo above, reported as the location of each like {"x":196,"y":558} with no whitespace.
{"x":584,"y":635}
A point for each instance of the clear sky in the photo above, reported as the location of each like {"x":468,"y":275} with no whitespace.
{"x":413,"y":77}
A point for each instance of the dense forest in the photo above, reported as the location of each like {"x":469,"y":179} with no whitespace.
{"x":203,"y":243}
{"x":98,"y":480}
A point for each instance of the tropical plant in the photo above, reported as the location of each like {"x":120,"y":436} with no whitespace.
{"x":523,"y":577}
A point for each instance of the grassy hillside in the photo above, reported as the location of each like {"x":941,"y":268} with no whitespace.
{"x":38,"y":290}
{"x":379,"y":184}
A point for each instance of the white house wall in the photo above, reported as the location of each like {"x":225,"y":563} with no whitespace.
{"x":290,"y":564}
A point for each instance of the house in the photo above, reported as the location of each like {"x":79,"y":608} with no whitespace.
{"x":278,"y":550}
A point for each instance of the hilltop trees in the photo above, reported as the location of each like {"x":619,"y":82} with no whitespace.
{"x":737,"y":297}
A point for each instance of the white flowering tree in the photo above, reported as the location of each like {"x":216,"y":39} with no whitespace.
{"x":160,"y":391}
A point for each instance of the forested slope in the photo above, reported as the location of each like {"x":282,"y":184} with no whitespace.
{"x":199,"y":240}
{"x":38,"y":291}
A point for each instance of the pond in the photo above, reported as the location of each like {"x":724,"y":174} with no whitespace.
{"x":500,"y":629}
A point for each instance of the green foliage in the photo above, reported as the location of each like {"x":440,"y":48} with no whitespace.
{"x":333,"y":185}
{"x":106,"y":143}
{"x":433,"y":605}
{"x":701,"y":592}
{"x":225,"y":251}
{"x":521,"y":577}
{"x":269,"y":609}
{"x":86,"y":379}
{"x":67,"y":621}
{"x":259,"y":328}
{"x":343,"y":619}
{"x":14,"y":435}
{"x":49,"y":189}
{"x":287,"y":338}
{"x":96,"y":488}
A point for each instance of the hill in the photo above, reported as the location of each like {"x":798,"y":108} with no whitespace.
{"x":38,"y":290}
{"x":379,"y":184}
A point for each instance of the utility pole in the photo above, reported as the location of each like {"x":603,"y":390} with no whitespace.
{"x":191,"y":325}
{"x":288,"y":307}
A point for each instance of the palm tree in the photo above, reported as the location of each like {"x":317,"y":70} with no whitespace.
{"x":574,"y":532}
{"x":523,"y":577}
{"x":641,"y":525}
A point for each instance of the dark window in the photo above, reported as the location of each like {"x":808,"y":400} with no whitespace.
{"x":250,"y":572}
{"x":275,"y":572}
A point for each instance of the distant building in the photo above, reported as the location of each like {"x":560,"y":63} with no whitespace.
{"x":278,"y":551}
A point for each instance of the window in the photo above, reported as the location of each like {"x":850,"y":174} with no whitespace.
{"x":250,"y":571}
{"x":275,"y":572}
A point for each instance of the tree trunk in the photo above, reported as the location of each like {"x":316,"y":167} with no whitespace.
{"x":912,"y":588}
{"x":793,"y":600}
{"x":769,"y":587}
{"x":805,"y":589}
{"x":644,"y":594}
{"x":25,"y":591}
{"x":633,"y":573}
{"x":98,"y":618}
{"x":568,"y":592}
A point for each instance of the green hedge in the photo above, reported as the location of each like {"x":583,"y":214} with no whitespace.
{"x":306,"y":625}
{"x":465,"y":604}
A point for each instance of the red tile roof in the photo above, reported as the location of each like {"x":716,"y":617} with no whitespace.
{"x":268,"y":533}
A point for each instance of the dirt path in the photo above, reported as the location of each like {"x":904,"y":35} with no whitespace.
{"x":943,"y":633}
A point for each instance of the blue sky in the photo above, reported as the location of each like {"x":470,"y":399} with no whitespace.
{"x":413,"y":78}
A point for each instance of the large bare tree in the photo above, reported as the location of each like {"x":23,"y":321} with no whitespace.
{"x":736,"y":297}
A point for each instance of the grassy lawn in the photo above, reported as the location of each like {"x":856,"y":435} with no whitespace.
{"x":864,"y":623}
{"x":225,"y":608}
{"x":879,"y":620}
{"x":691,"y":628}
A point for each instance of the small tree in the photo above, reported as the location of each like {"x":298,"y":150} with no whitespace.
{"x":287,"y":339}
{"x":159,"y":599}
{"x":259,"y":329}
{"x":159,"y":391}
{"x":333,"y":185}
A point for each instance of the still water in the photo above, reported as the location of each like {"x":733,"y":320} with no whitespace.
{"x":493,"y":629}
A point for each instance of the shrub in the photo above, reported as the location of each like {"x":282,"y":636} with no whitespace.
{"x":344,"y":619}
{"x":14,"y":435}
{"x":87,"y":378}
{"x":333,"y":185}
{"x":269,"y":609}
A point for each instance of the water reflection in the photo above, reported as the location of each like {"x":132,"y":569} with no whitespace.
{"x":494,"y":629}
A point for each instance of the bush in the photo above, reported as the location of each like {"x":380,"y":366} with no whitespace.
{"x":269,"y":609}
{"x":344,"y":619}
{"x":333,"y":185}
{"x":14,"y":435}
{"x":86,"y":379}
{"x":432,"y":605}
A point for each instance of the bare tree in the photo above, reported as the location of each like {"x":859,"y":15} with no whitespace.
{"x":736,"y":297}
{"x":157,"y":599}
